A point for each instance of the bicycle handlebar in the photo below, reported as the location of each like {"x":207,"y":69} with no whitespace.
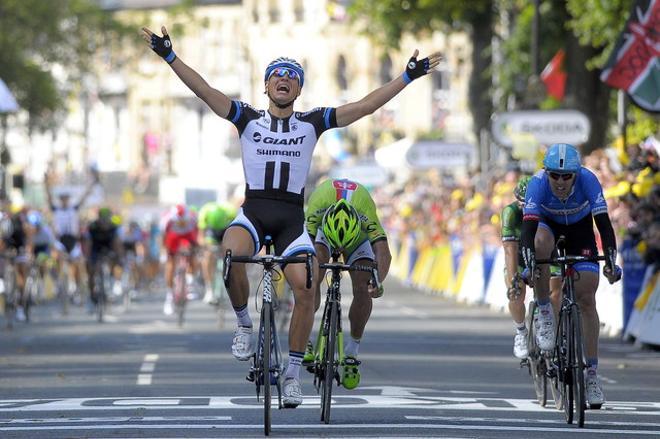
{"x":570,"y":259}
{"x":345,"y":267}
{"x":272,"y":259}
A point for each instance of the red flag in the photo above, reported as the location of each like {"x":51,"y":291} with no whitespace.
{"x":634,"y":65}
{"x":554,"y":76}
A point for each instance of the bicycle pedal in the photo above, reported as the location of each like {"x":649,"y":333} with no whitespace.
{"x":250,"y":376}
{"x":524,"y":363}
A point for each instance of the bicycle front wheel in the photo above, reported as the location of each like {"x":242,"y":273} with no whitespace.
{"x":566,"y":373}
{"x":577,"y":365}
{"x":536,"y":360}
{"x":267,"y":345}
{"x":329,"y":363}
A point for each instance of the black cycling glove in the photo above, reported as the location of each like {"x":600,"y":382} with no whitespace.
{"x":163,"y":47}
{"x":415,"y":69}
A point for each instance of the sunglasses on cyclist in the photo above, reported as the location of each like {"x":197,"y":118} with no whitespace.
{"x":283,"y":71}
{"x":557,"y":176}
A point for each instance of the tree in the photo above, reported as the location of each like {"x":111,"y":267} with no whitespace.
{"x":387,"y":20}
{"x":47,"y":46}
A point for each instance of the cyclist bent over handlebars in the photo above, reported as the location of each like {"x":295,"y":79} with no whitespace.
{"x":565,"y":199}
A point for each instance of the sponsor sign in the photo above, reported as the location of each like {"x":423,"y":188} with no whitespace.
{"x":547,"y":127}
{"x":436,"y":154}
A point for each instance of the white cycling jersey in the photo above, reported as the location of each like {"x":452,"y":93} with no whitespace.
{"x":277,"y":153}
{"x":66,"y":220}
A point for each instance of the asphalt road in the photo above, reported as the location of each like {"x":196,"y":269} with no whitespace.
{"x":430,"y":368}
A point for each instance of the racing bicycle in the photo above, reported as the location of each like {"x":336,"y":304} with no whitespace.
{"x":267,"y":366}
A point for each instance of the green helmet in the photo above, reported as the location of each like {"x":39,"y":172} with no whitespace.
{"x":521,"y":188}
{"x":105,"y":213}
{"x":341,"y":225}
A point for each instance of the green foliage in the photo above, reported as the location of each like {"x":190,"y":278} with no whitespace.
{"x":641,"y":125}
{"x":386,"y":21}
{"x":39,"y":38}
{"x":598,"y":23}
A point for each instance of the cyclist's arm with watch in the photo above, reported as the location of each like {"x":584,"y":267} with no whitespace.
{"x":349,"y":113}
{"x":216,"y":100}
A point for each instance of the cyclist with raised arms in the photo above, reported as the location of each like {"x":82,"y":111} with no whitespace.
{"x":341,"y":216}
{"x":277,"y":146}
{"x":566,"y":198}
{"x":512,"y":217}
{"x":212,"y":221}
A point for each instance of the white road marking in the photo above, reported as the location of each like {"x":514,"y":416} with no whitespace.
{"x":527,"y":421}
{"x":115,"y":419}
{"x":312,"y":402}
{"x":144,"y":380}
{"x":110,"y":318}
{"x":607,"y":380}
{"x":307,"y":427}
{"x":146,"y":370}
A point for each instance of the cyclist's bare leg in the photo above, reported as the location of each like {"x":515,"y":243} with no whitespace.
{"x":169,"y":272}
{"x":585,"y":294}
{"x":517,"y":306}
{"x":240,"y":242}
{"x":362,"y":303}
{"x":208,"y":265}
{"x":302,"y":319}
{"x":544,"y":243}
{"x":322,"y":256}
{"x":555,"y":294}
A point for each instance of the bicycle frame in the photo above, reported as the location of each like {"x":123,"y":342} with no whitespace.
{"x":329,"y":350}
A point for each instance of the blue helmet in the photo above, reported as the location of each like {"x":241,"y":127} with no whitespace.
{"x":34,"y":218}
{"x":562,"y":157}
{"x":289,"y":63}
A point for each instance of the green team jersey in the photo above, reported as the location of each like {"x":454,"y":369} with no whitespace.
{"x":329,"y":192}
{"x":511,"y":222}
{"x":215,"y":216}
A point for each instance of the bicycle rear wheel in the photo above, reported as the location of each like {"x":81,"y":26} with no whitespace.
{"x":329,"y":363}
{"x":577,"y":365}
{"x":267,"y":344}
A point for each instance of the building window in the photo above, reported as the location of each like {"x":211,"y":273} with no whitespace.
{"x":299,"y":10}
{"x":342,"y":82}
{"x":273,"y":11}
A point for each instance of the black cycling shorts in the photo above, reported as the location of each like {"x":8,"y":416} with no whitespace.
{"x":580,"y":238}
{"x":283,"y":221}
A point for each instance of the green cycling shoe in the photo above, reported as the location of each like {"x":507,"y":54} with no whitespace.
{"x":351,"y":376}
{"x":308,"y":358}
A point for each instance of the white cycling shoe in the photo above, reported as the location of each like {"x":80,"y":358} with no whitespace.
{"x":520,"y":349}
{"x":545,"y":330}
{"x":242,"y":346}
{"x":595,"y":396}
{"x":291,"y":393}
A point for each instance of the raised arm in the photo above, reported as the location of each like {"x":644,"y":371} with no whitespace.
{"x":216,"y":100}
{"x":349,"y":113}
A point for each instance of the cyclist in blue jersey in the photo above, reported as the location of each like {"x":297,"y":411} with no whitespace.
{"x":565,"y":199}
{"x":277,"y":146}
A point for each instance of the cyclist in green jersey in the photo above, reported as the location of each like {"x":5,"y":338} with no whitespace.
{"x":342,"y":215}
{"x":512,"y":217}
{"x":212,"y":221}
